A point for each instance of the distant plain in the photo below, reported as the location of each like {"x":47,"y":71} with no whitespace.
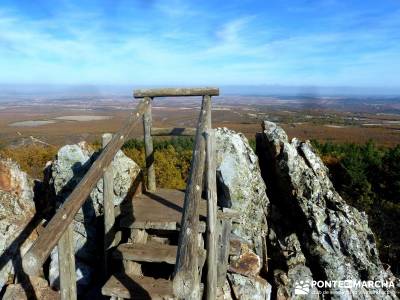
{"x":61,"y":120}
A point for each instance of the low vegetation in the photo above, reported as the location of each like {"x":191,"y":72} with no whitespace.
{"x":366,"y":176}
{"x":171,"y":159}
{"x":31,"y":158}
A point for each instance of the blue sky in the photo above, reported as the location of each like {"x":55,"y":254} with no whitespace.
{"x":176,"y":42}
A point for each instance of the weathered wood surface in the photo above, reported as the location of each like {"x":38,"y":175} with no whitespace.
{"x":176,"y":131}
{"x":40,"y":250}
{"x":211,"y":288}
{"x":175,"y":92}
{"x":150,"y":252}
{"x":223,"y":250}
{"x":66,"y":265}
{"x":108,"y":194}
{"x":158,"y":210}
{"x":108,"y":205}
{"x":138,"y":287}
{"x":186,"y":281}
{"x":132,"y":267}
{"x":208,"y":126}
{"x":148,"y":148}
{"x":139,"y":236}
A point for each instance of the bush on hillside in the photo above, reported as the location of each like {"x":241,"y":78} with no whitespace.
{"x":31,"y":158}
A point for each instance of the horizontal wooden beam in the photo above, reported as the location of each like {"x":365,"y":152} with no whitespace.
{"x":175,"y":92}
{"x":173,"y":131}
{"x":51,"y":234}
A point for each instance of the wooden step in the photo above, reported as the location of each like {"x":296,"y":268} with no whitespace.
{"x":150,"y":252}
{"x":138,"y":287}
{"x":158,"y":210}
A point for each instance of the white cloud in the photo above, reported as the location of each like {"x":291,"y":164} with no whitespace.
{"x":74,"y":47}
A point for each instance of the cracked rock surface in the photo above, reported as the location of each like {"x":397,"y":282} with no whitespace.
{"x":17,"y":210}
{"x":327,"y":239}
{"x":242,"y":189}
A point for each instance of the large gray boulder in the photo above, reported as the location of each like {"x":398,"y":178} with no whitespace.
{"x":334,"y":237}
{"x":17,"y":210}
{"x":67,"y":170}
{"x":242,"y":189}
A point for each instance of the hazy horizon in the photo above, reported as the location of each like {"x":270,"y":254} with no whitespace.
{"x":19,"y":90}
{"x":9,"y":90}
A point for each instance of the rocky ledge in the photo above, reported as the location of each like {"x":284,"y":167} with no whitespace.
{"x":314,"y":234}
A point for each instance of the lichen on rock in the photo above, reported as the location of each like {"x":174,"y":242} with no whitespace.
{"x":17,"y":210}
{"x":334,"y":237}
{"x":242,"y":189}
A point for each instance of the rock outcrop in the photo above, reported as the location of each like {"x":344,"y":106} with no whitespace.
{"x":66,"y":171}
{"x":17,"y":226}
{"x":319,"y":236}
{"x":242,"y":189}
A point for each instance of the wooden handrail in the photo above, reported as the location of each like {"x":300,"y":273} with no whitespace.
{"x":40,"y":250}
{"x":186,"y":276}
{"x":108,"y":206}
{"x":174,"y":92}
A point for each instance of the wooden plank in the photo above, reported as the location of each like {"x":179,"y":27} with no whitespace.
{"x":148,"y":148}
{"x":66,"y":265}
{"x":175,"y":131}
{"x":186,"y":281}
{"x":149,"y":252}
{"x":223,"y":251}
{"x":108,"y":205}
{"x":40,"y":250}
{"x":176,"y":92}
{"x":211,"y":288}
{"x":161,"y":225}
{"x":158,"y":210}
{"x":129,"y":286}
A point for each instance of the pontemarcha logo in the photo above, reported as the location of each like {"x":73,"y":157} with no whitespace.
{"x":301,"y":287}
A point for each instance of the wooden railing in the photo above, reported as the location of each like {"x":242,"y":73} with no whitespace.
{"x":186,"y":282}
{"x":60,"y":231}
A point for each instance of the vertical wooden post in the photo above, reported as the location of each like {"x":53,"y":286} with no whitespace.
{"x":211,"y":216}
{"x":108,"y":205}
{"x":223,"y":250}
{"x":186,"y":283}
{"x":148,"y":144}
{"x":208,"y":126}
{"x":66,"y":264}
{"x":207,"y":98}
